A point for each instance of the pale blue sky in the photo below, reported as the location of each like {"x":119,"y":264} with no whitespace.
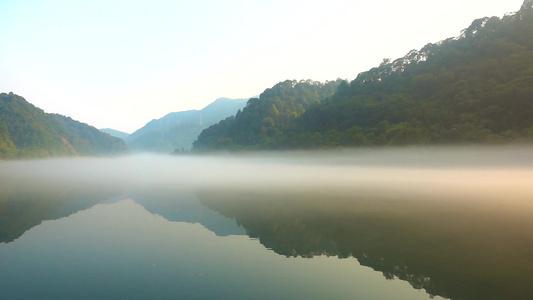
{"x":119,"y":64}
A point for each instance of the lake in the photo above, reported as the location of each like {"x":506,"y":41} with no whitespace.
{"x":407,"y":223}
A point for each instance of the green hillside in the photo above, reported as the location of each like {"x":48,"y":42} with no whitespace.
{"x":473,"y":89}
{"x":28,"y":132}
{"x":262,"y":122}
{"x":88,"y":140}
{"x":477,"y":88}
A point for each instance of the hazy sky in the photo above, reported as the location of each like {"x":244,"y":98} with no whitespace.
{"x":120,"y":64}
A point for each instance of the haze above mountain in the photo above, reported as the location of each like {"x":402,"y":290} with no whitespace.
{"x":178,"y":130}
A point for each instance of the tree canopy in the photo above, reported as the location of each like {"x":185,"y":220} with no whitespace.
{"x":473,"y":89}
{"x":27,"y":131}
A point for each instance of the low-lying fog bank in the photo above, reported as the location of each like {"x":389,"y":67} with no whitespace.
{"x":504,"y":173}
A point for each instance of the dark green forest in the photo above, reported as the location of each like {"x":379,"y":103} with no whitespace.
{"x":28,"y":132}
{"x":473,"y":89}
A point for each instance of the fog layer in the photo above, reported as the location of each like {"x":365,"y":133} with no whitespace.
{"x":498,"y":173}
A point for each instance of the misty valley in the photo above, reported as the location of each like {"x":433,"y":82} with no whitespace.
{"x":404,"y":223}
{"x":410,"y":180}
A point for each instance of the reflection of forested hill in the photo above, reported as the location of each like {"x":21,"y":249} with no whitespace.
{"x":450,"y":249}
{"x":182,"y":206}
{"x":23,"y":207}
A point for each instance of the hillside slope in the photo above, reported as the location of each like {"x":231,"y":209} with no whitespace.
{"x":28,"y":132}
{"x":262,"y":122}
{"x":178,"y":130}
{"x":477,"y":88}
{"x":473,"y":89}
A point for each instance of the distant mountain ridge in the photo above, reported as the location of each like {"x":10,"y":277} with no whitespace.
{"x":116,"y":133}
{"x":28,"y":132}
{"x":178,"y":130}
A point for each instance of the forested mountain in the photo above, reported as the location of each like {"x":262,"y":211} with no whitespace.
{"x":264,"y":119}
{"x":178,"y":130}
{"x":27,"y":131}
{"x":475,"y":88}
{"x":115,"y":133}
{"x":88,"y":140}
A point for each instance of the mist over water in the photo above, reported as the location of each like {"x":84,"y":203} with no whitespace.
{"x":454,"y":221}
{"x":481,"y":173}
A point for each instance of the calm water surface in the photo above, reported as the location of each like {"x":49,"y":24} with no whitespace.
{"x":403,"y":224}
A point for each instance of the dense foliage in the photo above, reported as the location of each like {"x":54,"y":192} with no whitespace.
{"x":476,"y":88}
{"x":27,"y":131}
{"x":262,"y":122}
{"x":88,"y":140}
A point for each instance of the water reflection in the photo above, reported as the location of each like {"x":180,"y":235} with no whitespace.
{"x":25,"y":204}
{"x":180,"y":205}
{"x":454,"y":249}
{"x":118,"y":250}
{"x":137,"y":230}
